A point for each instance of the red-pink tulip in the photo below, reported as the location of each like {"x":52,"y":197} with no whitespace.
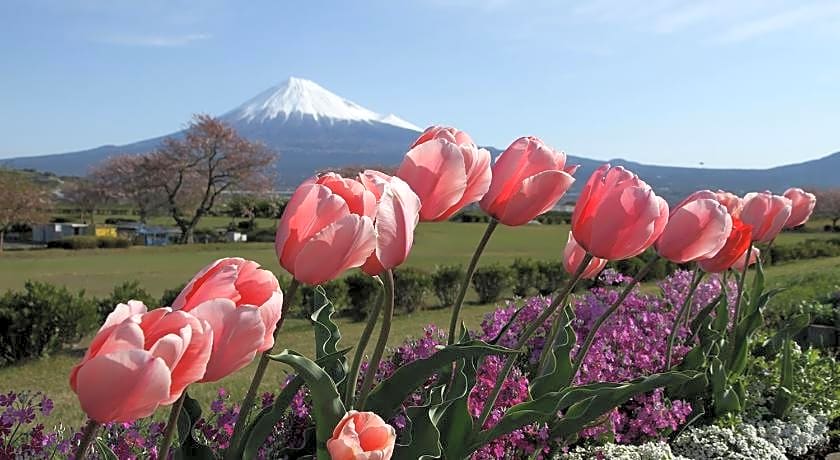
{"x":802,"y":204}
{"x":736,"y":246}
{"x":327,"y":228}
{"x":617,"y":215}
{"x":528,"y":179}
{"x":447,"y":171}
{"x":243,"y":304}
{"x":697,"y":229}
{"x":362,"y":436}
{"x":739,"y":262}
{"x":732,"y":202}
{"x":573,"y":256}
{"x":397,"y":215}
{"x":140,"y":360}
{"x":766,"y":213}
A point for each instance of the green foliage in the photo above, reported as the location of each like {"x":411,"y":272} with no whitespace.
{"x":122,"y":293}
{"x":90,"y":242}
{"x":810,"y":293}
{"x":552,"y":276}
{"x":336,"y":291}
{"x":169,"y":295}
{"x":112,"y":242}
{"x":412,"y":287}
{"x":491,"y":281}
{"x":362,"y":292}
{"x":446,"y":282}
{"x":805,"y":250}
{"x":42,"y":319}
{"x":526,"y":276}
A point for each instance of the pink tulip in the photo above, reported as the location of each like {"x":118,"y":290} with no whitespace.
{"x":397,"y":215}
{"x":736,"y":246}
{"x":617,"y":215}
{"x":739,"y":262}
{"x":573,"y":255}
{"x":243,"y":304}
{"x":362,"y":436}
{"x":766,"y":213}
{"x":140,"y":360}
{"x":447,"y":171}
{"x":528,"y":180}
{"x":697,"y":229}
{"x":802,"y":206}
{"x":732,"y":202}
{"x":327,"y":228}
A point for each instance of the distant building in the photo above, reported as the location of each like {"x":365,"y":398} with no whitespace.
{"x":147,"y":235}
{"x":236,"y":237}
{"x":105,"y":230}
{"x":44,"y":233}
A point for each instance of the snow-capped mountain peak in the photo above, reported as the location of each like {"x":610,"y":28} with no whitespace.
{"x":301,"y":97}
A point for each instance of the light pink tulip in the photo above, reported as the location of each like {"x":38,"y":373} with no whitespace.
{"x":802,"y":204}
{"x":140,"y":360}
{"x":397,"y":215}
{"x":362,"y":436}
{"x":739,"y":262}
{"x":242,"y":302}
{"x":736,"y":246}
{"x":327,"y":228}
{"x":766,"y":213}
{"x":732,"y":202}
{"x":617,"y":215}
{"x":447,"y":171}
{"x":529,"y":178}
{"x":573,"y":255}
{"x":697,"y":229}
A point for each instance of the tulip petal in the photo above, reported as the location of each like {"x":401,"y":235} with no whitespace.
{"x":342,"y":245}
{"x":436,"y":171}
{"x":479,"y":176}
{"x":396,"y":219}
{"x":524,"y":157}
{"x":270,"y":313}
{"x":237,"y":334}
{"x":536,"y":195}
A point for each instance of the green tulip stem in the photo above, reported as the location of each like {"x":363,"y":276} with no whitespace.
{"x":683,"y":313}
{"x":88,"y":433}
{"x":381,"y":342}
{"x":353,"y":372}
{"x":741,"y":284}
{"x":250,"y":396}
{"x":171,"y":425}
{"x":459,"y":302}
{"x":523,"y":340}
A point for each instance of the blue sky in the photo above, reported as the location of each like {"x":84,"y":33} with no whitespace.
{"x":730,"y":84}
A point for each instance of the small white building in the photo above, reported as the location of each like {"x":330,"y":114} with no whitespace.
{"x":44,"y":233}
{"x":236,"y":237}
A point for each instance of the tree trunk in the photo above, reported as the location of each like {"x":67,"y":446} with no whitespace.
{"x":834,"y":223}
{"x":2,"y":236}
{"x":187,"y":234}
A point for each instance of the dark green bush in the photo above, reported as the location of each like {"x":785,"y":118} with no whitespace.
{"x":808,"y":249}
{"x":362,"y":292}
{"x":552,"y":276}
{"x":526,"y":277}
{"x":75,"y":242}
{"x":490,"y":282}
{"x":446,"y":282}
{"x":170,"y":295}
{"x":42,"y":319}
{"x":111,"y":242}
{"x":261,"y":235}
{"x":122,"y":293}
{"x":336,"y":291}
{"x":412,"y":285}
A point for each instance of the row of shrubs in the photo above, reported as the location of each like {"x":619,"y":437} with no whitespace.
{"x":808,"y":249}
{"x":90,"y":242}
{"x":549,"y":218}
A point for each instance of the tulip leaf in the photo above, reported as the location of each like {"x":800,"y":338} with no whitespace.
{"x":506,"y":327}
{"x":327,"y":336}
{"x":425,"y":436}
{"x":389,"y":394}
{"x":327,"y":408}
{"x":705,"y":313}
{"x":558,"y":371}
{"x":774,"y":344}
{"x":187,"y":417}
{"x":268,"y":418}
{"x":456,"y":423}
{"x":104,"y":451}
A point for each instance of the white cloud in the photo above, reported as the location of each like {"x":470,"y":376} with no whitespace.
{"x":800,"y":16}
{"x":156,"y":40}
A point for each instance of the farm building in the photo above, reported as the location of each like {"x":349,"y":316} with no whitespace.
{"x":44,"y":233}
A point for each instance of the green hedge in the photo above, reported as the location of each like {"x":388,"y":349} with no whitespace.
{"x":90,"y":242}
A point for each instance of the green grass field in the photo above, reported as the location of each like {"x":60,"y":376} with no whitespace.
{"x":157,"y":269}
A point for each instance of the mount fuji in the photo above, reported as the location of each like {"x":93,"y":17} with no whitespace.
{"x":310,"y":127}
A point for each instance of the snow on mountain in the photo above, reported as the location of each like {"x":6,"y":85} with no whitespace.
{"x":299,"y":97}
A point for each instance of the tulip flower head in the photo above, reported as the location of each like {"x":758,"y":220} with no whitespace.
{"x":529,"y":177}
{"x":397,"y":215}
{"x":362,"y":436}
{"x":733,"y":251}
{"x":732,"y":202}
{"x":755,"y":253}
{"x":697,"y":229}
{"x":446,"y":170}
{"x":327,"y":228}
{"x":766,"y":213}
{"x":140,"y":360}
{"x":573,"y":256}
{"x":242,"y":302}
{"x":617,"y":215}
{"x":802,"y":206}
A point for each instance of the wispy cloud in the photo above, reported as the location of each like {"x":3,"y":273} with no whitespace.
{"x":161,"y":41}
{"x":800,"y":16}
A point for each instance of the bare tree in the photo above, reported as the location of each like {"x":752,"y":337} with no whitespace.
{"x":125,"y":178}
{"x":828,"y":205}
{"x":22,"y":202}
{"x":210,"y":160}
{"x":87,"y":196}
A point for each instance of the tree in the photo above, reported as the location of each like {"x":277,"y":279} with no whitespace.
{"x":828,"y":205}
{"x":87,"y":196}
{"x":23,"y":202}
{"x":125,"y":178}
{"x":210,"y":159}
